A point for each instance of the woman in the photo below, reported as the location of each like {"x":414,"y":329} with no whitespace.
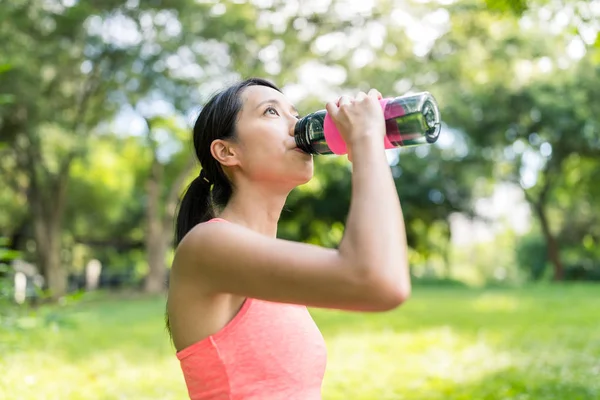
{"x":238,"y":295}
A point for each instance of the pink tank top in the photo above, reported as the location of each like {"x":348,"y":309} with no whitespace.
{"x":267,"y":351}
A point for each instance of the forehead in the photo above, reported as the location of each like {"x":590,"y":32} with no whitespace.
{"x":252,"y":96}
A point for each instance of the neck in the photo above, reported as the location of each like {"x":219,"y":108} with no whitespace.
{"x":256,"y":207}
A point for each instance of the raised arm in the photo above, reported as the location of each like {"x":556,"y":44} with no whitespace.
{"x":369,"y":270}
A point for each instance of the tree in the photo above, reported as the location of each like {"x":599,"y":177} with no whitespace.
{"x":515,"y":110}
{"x":46,"y":136}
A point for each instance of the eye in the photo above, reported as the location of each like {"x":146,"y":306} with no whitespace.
{"x":271,"y":110}
{"x":297,"y":116}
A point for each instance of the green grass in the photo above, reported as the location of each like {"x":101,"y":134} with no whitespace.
{"x":445,"y":343}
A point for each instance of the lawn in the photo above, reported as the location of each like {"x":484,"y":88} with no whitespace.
{"x":445,"y":343}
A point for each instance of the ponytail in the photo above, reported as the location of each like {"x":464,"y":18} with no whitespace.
{"x":195,"y":207}
{"x":199,"y":202}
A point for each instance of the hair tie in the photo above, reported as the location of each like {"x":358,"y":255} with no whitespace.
{"x":204,"y":178}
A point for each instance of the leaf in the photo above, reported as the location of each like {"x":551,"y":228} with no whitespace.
{"x":6,"y":254}
{"x":514,"y":6}
{"x":5,"y":67}
{"x":6,"y":99}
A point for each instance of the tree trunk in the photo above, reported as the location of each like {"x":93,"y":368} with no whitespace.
{"x":47,"y":234}
{"x":551,"y":243}
{"x":447,"y":252}
{"x":56,"y":273}
{"x":155,"y":281}
{"x":550,"y":173}
{"x":155,"y":250}
{"x":160,"y":223}
{"x":48,"y":198}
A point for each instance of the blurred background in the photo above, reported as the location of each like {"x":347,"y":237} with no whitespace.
{"x":97,"y":100}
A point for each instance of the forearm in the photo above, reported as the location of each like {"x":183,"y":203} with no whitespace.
{"x":375,"y":236}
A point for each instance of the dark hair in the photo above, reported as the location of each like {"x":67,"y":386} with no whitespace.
{"x":217,"y":120}
{"x":211,"y":190}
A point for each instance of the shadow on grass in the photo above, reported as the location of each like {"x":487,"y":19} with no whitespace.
{"x":513,"y":384}
{"x":537,"y":344}
{"x":509,"y":383}
{"x":131,"y":325}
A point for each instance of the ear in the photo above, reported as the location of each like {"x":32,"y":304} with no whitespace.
{"x":224,"y":152}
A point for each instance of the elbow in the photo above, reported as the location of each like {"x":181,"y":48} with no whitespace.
{"x":387,"y":294}
{"x":394,"y":297}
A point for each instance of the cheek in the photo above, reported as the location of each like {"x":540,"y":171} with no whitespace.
{"x":264,"y":157}
{"x":263,"y":140}
{"x":266,"y":152}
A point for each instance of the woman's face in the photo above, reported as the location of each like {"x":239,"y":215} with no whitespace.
{"x":265,"y":143}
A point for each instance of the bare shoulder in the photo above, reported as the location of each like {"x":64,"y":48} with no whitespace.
{"x":215,"y":239}
{"x":194,"y":307}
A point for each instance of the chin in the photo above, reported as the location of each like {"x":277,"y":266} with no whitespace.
{"x":305,"y":180}
{"x":301,"y":179}
{"x":307,"y":174}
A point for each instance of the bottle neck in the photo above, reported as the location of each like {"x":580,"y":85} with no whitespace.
{"x":301,"y":134}
{"x":310,"y":134}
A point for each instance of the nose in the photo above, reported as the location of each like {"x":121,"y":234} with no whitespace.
{"x":292,"y":124}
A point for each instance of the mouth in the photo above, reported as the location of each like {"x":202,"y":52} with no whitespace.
{"x":299,"y":150}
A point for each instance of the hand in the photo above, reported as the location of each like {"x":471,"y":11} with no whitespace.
{"x":358,"y":118}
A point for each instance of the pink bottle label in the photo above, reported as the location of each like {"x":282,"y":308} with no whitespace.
{"x":336,"y":143}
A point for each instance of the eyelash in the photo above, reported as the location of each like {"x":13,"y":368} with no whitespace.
{"x":273,"y":109}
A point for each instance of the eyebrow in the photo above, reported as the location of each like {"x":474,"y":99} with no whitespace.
{"x":275,"y":101}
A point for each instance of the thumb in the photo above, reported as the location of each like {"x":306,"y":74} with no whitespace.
{"x":331,"y":108}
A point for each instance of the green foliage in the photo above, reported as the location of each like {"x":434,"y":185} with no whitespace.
{"x":432,"y":282}
{"x":7,"y":254}
{"x":528,"y":123}
{"x":489,"y":262}
{"x":104,"y":183}
{"x":508,"y":89}
{"x":514,"y":6}
{"x":4,"y":97}
{"x":7,"y":313}
{"x":532,"y":255}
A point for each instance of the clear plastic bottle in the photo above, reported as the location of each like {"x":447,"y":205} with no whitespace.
{"x":410,"y":120}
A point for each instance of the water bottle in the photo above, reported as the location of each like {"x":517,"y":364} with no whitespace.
{"x":410,"y":120}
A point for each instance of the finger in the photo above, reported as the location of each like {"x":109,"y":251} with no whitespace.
{"x":360,"y":96}
{"x":344,"y":100}
{"x":331,"y":108}
{"x":375,"y":92}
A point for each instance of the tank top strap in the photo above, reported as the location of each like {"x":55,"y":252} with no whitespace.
{"x":216,"y":219}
